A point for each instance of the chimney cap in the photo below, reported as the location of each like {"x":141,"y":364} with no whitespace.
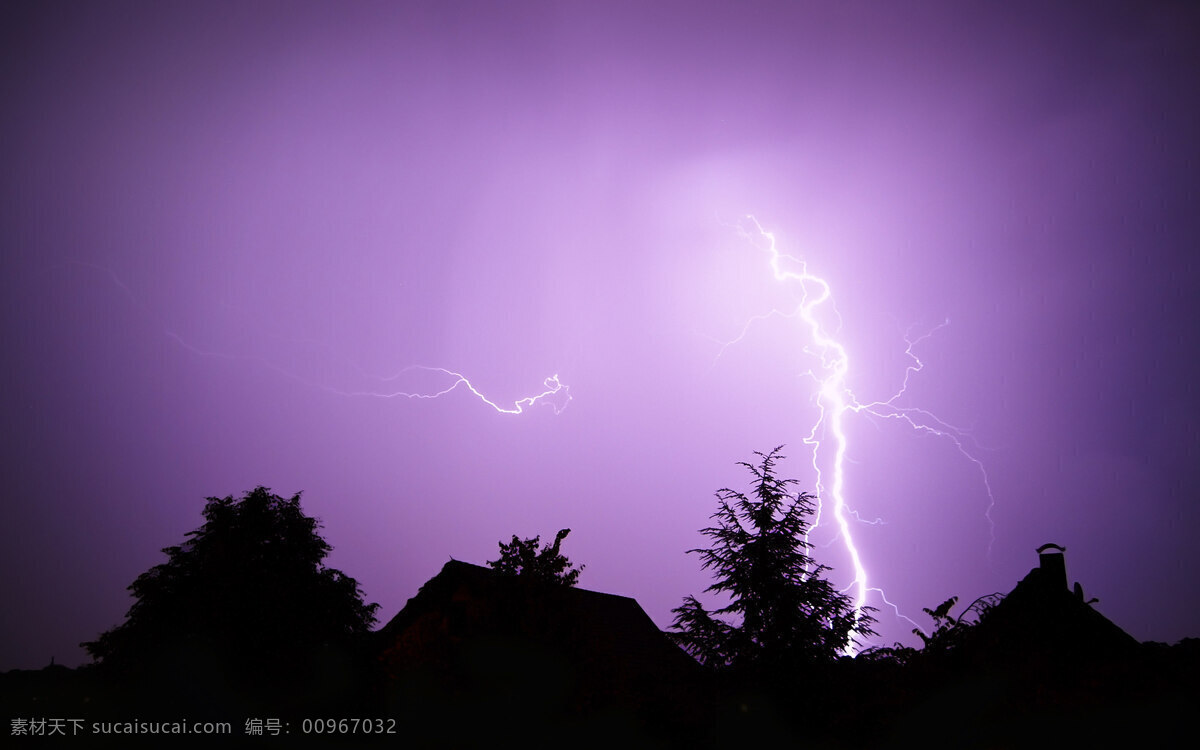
{"x":1050,"y":545}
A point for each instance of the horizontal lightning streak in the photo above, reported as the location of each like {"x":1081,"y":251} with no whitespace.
{"x":555,"y":393}
{"x":552,"y":385}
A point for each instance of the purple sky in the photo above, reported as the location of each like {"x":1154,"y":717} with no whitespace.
{"x":218,"y":222}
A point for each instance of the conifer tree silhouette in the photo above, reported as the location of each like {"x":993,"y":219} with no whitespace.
{"x":784,"y":610}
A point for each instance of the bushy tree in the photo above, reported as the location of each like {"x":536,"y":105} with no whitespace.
{"x":244,"y":601}
{"x":784,"y":611}
{"x":522,"y":557}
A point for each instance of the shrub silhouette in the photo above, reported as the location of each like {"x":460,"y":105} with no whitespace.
{"x":948,"y":631}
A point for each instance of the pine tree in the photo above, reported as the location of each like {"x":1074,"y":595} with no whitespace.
{"x":784,"y":611}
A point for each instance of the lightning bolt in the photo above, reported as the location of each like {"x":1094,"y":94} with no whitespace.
{"x":835,"y":402}
{"x":555,"y":393}
{"x":553,"y":387}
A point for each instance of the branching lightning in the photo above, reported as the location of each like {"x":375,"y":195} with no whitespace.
{"x":835,"y":401}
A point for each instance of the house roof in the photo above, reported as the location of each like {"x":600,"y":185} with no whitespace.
{"x":1042,"y":619}
{"x":468,"y":624}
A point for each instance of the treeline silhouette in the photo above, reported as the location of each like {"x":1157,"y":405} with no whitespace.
{"x":244,"y":622}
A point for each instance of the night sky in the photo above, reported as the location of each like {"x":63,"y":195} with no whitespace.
{"x":231,"y":231}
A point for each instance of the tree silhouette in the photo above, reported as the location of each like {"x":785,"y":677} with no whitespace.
{"x":244,"y":603}
{"x":521,"y":557}
{"x":785,"y":611}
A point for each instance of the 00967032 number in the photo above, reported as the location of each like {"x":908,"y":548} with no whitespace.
{"x":348,"y":726}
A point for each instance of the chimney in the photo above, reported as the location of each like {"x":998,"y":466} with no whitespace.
{"x":1053,"y":566}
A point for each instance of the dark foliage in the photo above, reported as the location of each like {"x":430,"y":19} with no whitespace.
{"x":949,"y":631}
{"x":244,"y":604}
{"x":943,"y":639}
{"x":786,"y":613}
{"x":521,"y":557}
{"x":945,"y":627}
